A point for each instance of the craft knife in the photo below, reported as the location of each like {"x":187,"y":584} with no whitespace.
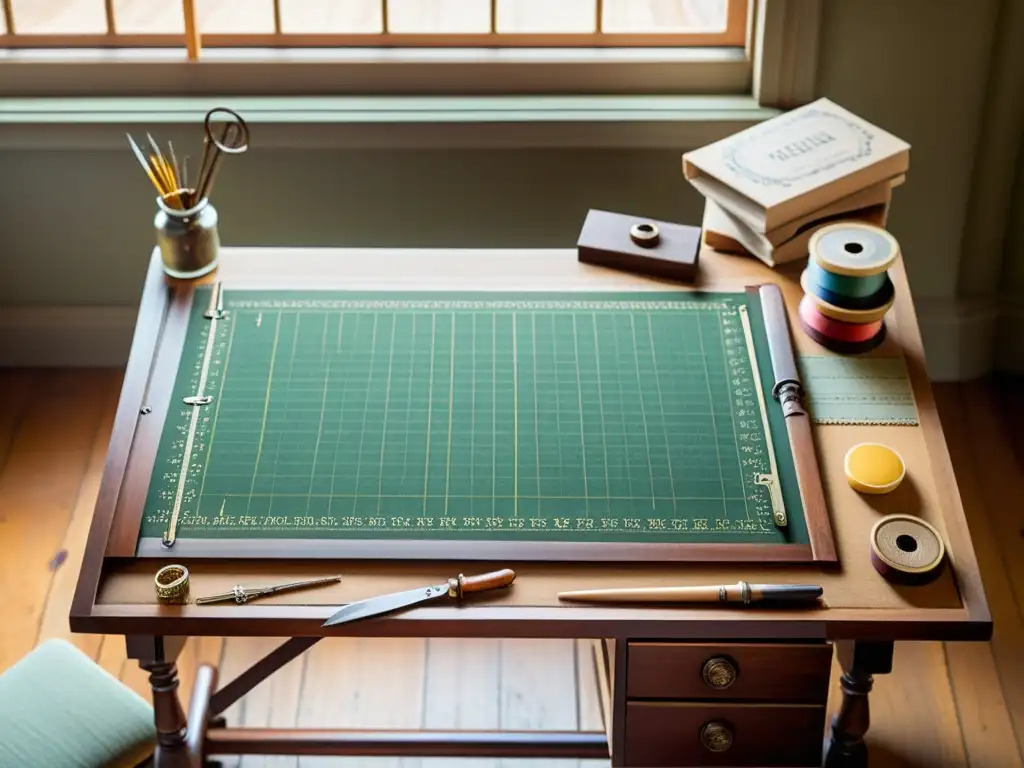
{"x":455,"y":588}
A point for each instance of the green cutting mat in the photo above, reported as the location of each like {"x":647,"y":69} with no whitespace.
{"x":546,"y":416}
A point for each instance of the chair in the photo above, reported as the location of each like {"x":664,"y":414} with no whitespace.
{"x":59,"y":709}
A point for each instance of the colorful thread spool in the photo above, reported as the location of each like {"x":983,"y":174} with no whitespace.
{"x":835,"y":329}
{"x":845,"y":285}
{"x":811,"y":320}
{"x":853,"y":249}
{"x":853,"y":316}
{"x":882,"y":296}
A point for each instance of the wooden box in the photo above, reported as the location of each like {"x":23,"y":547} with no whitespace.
{"x":636,"y":244}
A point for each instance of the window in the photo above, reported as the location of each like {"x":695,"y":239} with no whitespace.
{"x":379,"y":46}
{"x":377,"y":23}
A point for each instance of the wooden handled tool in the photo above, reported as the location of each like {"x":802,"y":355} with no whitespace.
{"x":741,"y":592}
{"x":455,"y":588}
{"x":462,"y":585}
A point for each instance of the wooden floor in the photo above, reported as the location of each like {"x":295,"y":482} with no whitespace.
{"x":944,"y":705}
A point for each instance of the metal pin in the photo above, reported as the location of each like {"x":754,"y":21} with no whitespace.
{"x":241,"y":595}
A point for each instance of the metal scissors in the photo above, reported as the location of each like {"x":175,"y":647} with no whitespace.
{"x":233,"y":139}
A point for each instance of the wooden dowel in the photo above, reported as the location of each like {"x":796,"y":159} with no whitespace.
{"x":108,"y":9}
{"x":9,"y":16}
{"x":696,"y":594}
{"x":193,"y":40}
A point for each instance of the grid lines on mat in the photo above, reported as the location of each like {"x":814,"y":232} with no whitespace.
{"x":570,"y":420}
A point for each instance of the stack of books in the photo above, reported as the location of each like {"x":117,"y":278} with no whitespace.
{"x":769,"y":188}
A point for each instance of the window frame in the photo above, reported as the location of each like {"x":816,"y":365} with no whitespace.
{"x":735,"y":34}
{"x":406,"y":97}
{"x":775,"y":64}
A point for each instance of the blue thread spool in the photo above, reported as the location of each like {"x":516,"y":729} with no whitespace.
{"x":850,"y":258}
{"x":845,"y":285}
{"x":882,"y":296}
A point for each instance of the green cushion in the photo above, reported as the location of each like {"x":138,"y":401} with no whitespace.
{"x":59,"y":709}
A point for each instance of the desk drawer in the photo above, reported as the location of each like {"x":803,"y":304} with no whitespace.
{"x":734,"y":671}
{"x":710,"y":734}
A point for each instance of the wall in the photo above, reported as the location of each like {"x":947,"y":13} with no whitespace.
{"x":1010,"y":336}
{"x":96,"y":253}
{"x":75,"y":227}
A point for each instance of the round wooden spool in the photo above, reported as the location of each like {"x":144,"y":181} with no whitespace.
{"x":907,"y":550}
{"x":853,"y":248}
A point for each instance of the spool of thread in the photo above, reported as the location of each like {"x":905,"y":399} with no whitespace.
{"x":855,"y":316}
{"x":846,"y":285}
{"x":835,"y":329}
{"x":907,"y":550}
{"x":853,"y":249}
{"x":883,"y":295}
{"x":844,"y":347}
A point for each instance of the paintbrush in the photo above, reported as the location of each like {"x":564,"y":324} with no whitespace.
{"x":165,"y":172}
{"x":145,"y":166}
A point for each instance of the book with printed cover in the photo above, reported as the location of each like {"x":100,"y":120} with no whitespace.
{"x":795,"y":164}
{"x":724,"y":232}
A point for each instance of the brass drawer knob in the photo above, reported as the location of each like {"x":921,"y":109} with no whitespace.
{"x":719,"y":672}
{"x":715,"y":736}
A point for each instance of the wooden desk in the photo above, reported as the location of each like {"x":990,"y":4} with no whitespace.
{"x":653,"y":658}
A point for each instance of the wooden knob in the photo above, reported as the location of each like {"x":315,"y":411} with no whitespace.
{"x":716,"y":736}
{"x":719,"y":673}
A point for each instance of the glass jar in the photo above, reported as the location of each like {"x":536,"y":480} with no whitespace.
{"x":188,"y":239}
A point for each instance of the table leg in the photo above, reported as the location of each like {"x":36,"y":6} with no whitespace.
{"x":860,"y":661}
{"x":157,"y":655}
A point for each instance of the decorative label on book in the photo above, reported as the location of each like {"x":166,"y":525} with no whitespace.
{"x":804,"y":144}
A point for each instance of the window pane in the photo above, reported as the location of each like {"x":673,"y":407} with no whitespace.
{"x":140,"y":17}
{"x":68,"y":17}
{"x":235,"y":16}
{"x":439,"y":16}
{"x":547,"y":15}
{"x":331,"y":16}
{"x":665,"y":15}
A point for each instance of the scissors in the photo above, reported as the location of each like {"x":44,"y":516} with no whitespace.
{"x":232,"y":139}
